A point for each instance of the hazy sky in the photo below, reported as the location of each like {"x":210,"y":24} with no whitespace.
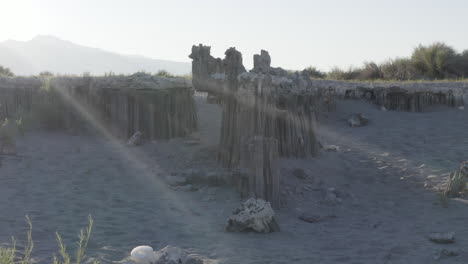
{"x":297,"y":33}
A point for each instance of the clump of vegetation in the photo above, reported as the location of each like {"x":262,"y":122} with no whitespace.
{"x":313,"y":72}
{"x":6,"y":72}
{"x":163,"y":73}
{"x":344,"y":75}
{"x":432,"y":62}
{"x":11,"y":255}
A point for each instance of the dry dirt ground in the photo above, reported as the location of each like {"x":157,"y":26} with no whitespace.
{"x":384,"y":175}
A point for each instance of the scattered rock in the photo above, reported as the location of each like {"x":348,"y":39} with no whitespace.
{"x":442,"y":238}
{"x":135,"y":140}
{"x":331,"y":148}
{"x":357,"y":120}
{"x":167,"y":255}
{"x":331,"y":197}
{"x":299,"y":173}
{"x":310,"y":218}
{"x":175,"y":180}
{"x":253,"y":215}
{"x":142,"y":255}
{"x":442,"y":253}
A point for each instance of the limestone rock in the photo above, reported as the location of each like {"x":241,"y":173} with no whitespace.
{"x":357,"y":120}
{"x":331,"y":148}
{"x":442,"y":238}
{"x":167,"y":255}
{"x":331,"y":197}
{"x":253,"y":215}
{"x":135,"y":140}
{"x":143,"y":255}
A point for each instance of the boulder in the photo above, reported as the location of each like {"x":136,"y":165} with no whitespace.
{"x":357,"y":120}
{"x":253,"y":215}
{"x":135,"y":140}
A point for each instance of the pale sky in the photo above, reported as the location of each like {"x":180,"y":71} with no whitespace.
{"x":297,"y":33}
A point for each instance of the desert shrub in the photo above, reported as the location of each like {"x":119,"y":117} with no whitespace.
{"x":6,"y":72}
{"x":370,"y":71}
{"x":163,"y":73}
{"x":11,"y":255}
{"x":398,"y":69}
{"x":313,"y":72}
{"x":339,"y":74}
{"x":433,"y":61}
{"x":46,"y":74}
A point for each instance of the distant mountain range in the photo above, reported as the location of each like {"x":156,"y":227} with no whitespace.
{"x":47,"y":53}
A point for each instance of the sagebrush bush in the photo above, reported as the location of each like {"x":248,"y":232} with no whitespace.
{"x":398,"y":69}
{"x":313,"y":72}
{"x":163,"y":73}
{"x":433,"y":61}
{"x":6,"y":72}
{"x":339,"y":74}
{"x":370,"y":71}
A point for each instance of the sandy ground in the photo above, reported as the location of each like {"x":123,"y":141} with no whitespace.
{"x":385,"y":174}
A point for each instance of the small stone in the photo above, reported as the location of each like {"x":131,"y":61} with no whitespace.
{"x":331,"y":197}
{"x":357,"y":120}
{"x":331,"y":148}
{"x":135,"y":140}
{"x":299,"y":173}
{"x":442,"y":238}
{"x":310,"y":218}
{"x":443,"y":253}
{"x":175,"y":180}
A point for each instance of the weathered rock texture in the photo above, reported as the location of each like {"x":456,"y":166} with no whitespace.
{"x":253,"y":215}
{"x":261,"y":160}
{"x":265,"y":102}
{"x":401,"y":96}
{"x":157,"y":107}
{"x":267,"y":113}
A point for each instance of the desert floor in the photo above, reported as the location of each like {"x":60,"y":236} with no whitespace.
{"x":386,"y":175}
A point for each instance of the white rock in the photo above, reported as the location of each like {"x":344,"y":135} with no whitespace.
{"x":331,"y":148}
{"x":253,"y":215}
{"x":143,"y":255}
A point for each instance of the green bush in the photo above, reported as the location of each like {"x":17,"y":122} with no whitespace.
{"x":433,"y":61}
{"x":11,"y":255}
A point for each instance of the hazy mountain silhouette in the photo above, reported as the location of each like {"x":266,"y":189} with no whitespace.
{"x":47,"y":53}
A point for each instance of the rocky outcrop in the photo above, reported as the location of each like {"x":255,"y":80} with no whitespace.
{"x":158,"y":107}
{"x":265,"y":102}
{"x":400,"y":96}
{"x":253,"y":215}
